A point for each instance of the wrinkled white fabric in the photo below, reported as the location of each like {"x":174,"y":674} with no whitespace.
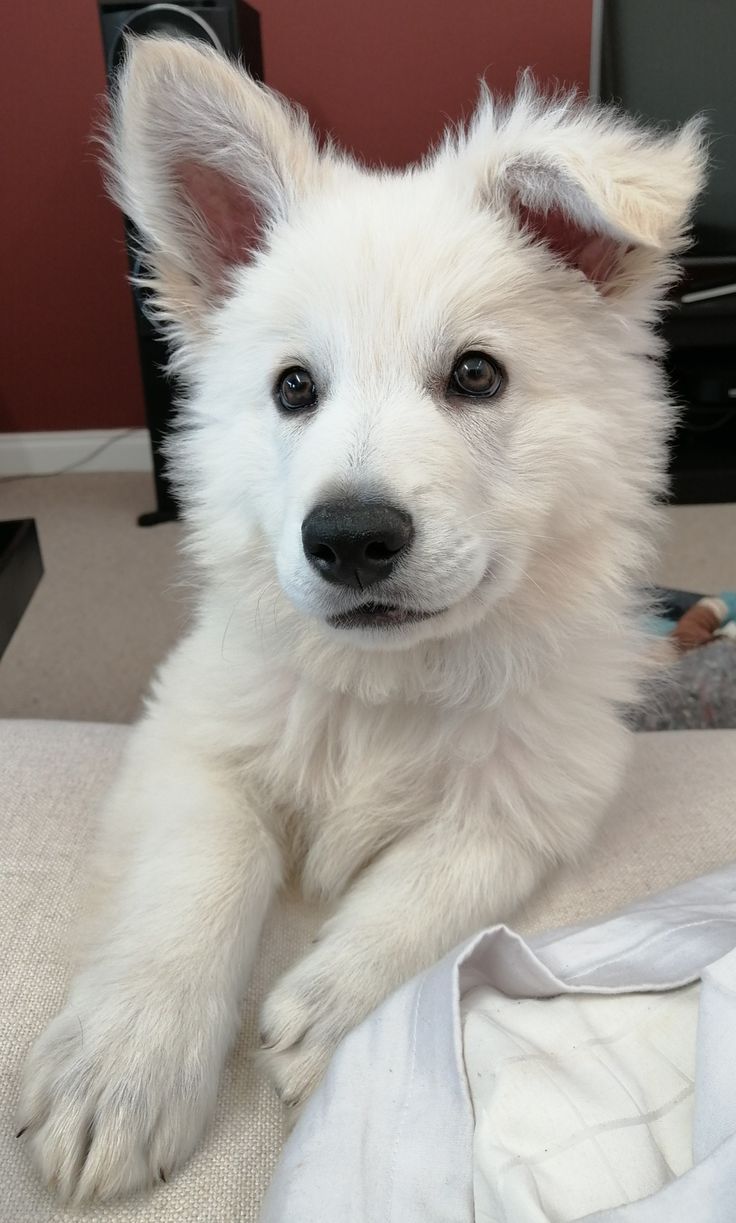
{"x":390,"y":1137}
{"x":581,"y":1102}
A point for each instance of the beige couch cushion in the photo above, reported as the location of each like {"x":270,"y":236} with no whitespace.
{"x":674,"y":820}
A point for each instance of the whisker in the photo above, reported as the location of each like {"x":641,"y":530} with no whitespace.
{"x":268,"y":587}
{"x":529,"y":578}
{"x":236,"y":605}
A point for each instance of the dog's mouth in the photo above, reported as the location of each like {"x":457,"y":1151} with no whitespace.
{"x":380,"y":616}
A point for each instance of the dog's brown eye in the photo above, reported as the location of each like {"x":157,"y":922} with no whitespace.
{"x":476,"y":375}
{"x":296,"y":390}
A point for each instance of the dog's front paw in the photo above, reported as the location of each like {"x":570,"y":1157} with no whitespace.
{"x":114,"y":1098}
{"x":306,"y":1016}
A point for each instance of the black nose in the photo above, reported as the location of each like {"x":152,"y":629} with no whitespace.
{"x":355,"y":543}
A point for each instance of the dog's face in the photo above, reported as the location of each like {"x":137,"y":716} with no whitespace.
{"x":413,"y":383}
{"x":382,"y":416}
{"x":403,"y":404}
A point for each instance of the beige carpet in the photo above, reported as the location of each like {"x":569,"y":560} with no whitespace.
{"x":108,"y":606}
{"x":111,"y":601}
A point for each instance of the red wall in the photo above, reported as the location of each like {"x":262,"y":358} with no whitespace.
{"x":67,"y":344}
{"x":383,"y":75}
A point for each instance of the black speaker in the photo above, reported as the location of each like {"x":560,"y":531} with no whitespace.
{"x":233,"y":27}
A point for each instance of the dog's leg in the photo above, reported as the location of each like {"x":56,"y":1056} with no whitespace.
{"x":409,"y":908}
{"x":117,"y":1090}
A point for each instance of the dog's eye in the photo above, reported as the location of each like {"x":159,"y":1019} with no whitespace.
{"x":476,"y":375}
{"x":296,"y":390}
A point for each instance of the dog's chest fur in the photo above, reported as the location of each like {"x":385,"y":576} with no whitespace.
{"x":341,"y":779}
{"x":337,"y":777}
{"x":346,"y":779}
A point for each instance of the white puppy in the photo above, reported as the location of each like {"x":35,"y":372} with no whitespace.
{"x":419,"y":458}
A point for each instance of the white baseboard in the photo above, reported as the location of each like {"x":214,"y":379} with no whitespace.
{"x":39,"y":454}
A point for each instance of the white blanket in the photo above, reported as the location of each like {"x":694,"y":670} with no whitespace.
{"x":589,"y":1073}
{"x":581,"y":1102}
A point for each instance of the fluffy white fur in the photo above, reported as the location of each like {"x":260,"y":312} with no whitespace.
{"x":421,"y":779}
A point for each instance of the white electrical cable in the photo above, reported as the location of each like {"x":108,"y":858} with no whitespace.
{"x":62,"y":471}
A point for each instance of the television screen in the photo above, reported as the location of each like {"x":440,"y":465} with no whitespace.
{"x":666,"y":60}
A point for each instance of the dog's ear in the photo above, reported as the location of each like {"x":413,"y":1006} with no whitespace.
{"x":203,"y":160}
{"x":607,"y":196}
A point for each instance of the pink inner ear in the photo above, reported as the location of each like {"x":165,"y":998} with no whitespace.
{"x":597,"y":256}
{"x":227,"y":221}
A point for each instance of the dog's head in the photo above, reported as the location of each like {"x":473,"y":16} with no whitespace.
{"x":410,"y":384}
